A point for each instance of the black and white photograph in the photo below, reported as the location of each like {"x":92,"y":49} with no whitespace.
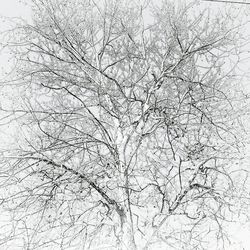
{"x":124,"y":125}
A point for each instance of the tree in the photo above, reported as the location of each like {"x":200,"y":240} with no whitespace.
{"x":129,"y":126}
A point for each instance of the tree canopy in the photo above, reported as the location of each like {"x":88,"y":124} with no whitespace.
{"x":129,"y":126}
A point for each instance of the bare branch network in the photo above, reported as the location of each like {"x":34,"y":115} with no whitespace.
{"x":129,"y":133}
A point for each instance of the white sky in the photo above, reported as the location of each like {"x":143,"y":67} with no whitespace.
{"x":15,"y":8}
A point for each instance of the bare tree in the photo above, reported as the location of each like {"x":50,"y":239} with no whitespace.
{"x":129,"y":129}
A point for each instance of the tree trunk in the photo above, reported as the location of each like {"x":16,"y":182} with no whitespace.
{"x":127,"y":241}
